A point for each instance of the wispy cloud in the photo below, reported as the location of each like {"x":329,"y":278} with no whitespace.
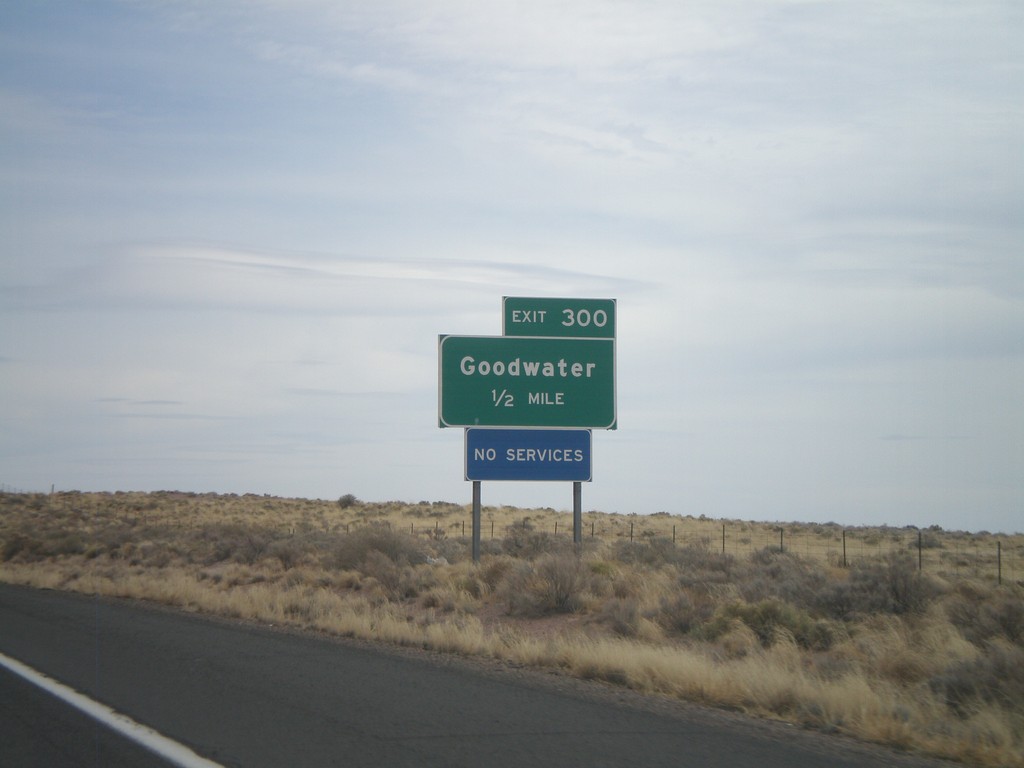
{"x":190,"y":277}
{"x":897,"y":438}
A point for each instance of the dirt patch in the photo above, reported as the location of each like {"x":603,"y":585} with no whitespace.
{"x":494,"y":618}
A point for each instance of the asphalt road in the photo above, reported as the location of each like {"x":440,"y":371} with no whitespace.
{"x":70,"y":739}
{"x":250,"y":696}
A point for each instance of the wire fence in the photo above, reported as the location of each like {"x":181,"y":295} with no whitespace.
{"x":944,"y":553}
{"x":949,"y":554}
{"x":5,"y":488}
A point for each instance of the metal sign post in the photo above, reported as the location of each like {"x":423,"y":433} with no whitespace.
{"x":577,"y":515}
{"x":476,"y":521}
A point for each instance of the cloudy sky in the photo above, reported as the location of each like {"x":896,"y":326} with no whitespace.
{"x":231,"y":233}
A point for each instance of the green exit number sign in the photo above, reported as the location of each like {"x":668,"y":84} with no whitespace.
{"x":578,"y":318}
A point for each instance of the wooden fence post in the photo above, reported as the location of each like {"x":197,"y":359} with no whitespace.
{"x":999,"y":562}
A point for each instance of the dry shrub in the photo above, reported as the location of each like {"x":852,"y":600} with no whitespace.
{"x":352,"y":550}
{"x":387,"y":573}
{"x":684,"y":611}
{"x":551,"y":584}
{"x":625,"y":619}
{"x":288,"y":552}
{"x":472,"y":585}
{"x":737,"y":640}
{"x":27,"y":546}
{"x":457,"y":591}
{"x":905,"y":649}
{"x":767,"y":619}
{"x":524,"y":542}
{"x":994,"y":678}
{"x":19,"y":546}
{"x":452,"y":550}
{"x":561,"y":582}
{"x":348,"y":579}
{"x":695,"y":563}
{"x":493,"y":569}
{"x":444,"y":598}
{"x":630,"y":583}
{"x":771,"y":574}
{"x":70,"y":543}
{"x":654,"y":551}
{"x":622,"y":615}
{"x":251,"y":545}
{"x":892,"y":585}
{"x":400,"y":580}
{"x":699,"y":558}
{"x":221,"y":542}
{"x":983,"y":613}
{"x":154,"y":555}
{"x":240,"y":575}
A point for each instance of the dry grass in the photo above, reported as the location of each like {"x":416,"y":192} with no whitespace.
{"x":930,"y":661}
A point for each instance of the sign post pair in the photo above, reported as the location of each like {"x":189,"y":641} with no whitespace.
{"x":528,"y":399}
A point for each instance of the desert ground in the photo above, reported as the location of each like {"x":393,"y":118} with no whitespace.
{"x":905,"y":637}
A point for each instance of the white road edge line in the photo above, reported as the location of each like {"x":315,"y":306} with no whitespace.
{"x":143,"y":735}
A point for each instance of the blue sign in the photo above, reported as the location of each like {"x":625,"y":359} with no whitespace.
{"x":528,"y":454}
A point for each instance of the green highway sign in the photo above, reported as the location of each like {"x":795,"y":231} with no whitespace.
{"x":578,"y":318}
{"x":508,"y":381}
